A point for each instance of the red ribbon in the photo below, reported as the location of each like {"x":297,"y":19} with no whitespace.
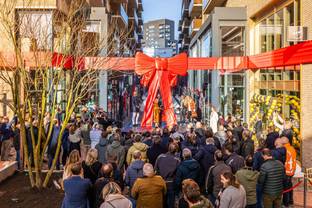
{"x":160,"y":74}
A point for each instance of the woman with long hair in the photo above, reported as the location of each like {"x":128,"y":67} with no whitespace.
{"x":233,"y":194}
{"x":74,"y":138}
{"x":91,"y":166}
{"x":113,"y":197}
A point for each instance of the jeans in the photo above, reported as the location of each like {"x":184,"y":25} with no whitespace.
{"x":170,"y":197}
{"x":259,"y":196}
{"x":287,"y":197}
{"x":272,"y":201}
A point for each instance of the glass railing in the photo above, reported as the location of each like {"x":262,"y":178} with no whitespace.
{"x":123,"y":14}
{"x":205,"y":3}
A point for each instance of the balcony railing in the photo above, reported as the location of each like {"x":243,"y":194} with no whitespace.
{"x":123,"y":14}
{"x":195,"y":7}
{"x":209,"y":5}
{"x":195,"y":26}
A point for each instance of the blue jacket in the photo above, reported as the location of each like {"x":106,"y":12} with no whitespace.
{"x":134,"y":171}
{"x":279,"y":154}
{"x":205,"y":156}
{"x":76,"y":192}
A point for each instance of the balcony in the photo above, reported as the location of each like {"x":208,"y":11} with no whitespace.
{"x":185,"y":8}
{"x":195,"y":8}
{"x":209,"y":5}
{"x":121,"y":15}
{"x":140,"y":21}
{"x":140,"y":5}
{"x":134,"y":18}
{"x":195,"y":26}
{"x":180,"y":26}
{"x":185,"y":25}
{"x":290,"y":85}
{"x":186,"y":41}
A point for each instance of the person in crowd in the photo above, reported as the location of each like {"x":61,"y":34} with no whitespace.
{"x":257,"y":158}
{"x":233,"y":141}
{"x":188,"y":168}
{"x":17,"y":144}
{"x":137,"y":145}
{"x":65,"y":145}
{"x":116,"y":151}
{"x":147,"y":138}
{"x":76,"y":189}
{"x":221,"y":135}
{"x":205,"y":155}
{"x":150,"y":190}
{"x":290,"y":168}
{"x":271,"y":178}
{"x":91,"y":166}
{"x":53,"y":142}
{"x":191,"y":143}
{"x":165,"y":137}
{"x":258,"y":127}
{"x":248,"y":146}
{"x":128,"y":140}
{"x":117,"y":173}
{"x":113,"y":197}
{"x":214,"y":120}
{"x":213,"y":183}
{"x":135,"y":109}
{"x":272,"y":136}
{"x":74,"y":138}
{"x":105,"y":176}
{"x":135,"y":169}
{"x":7,"y":135}
{"x":209,"y":134}
{"x":233,"y":160}
{"x":155,"y":150}
{"x":248,"y":178}
{"x":238,"y":130}
{"x":200,"y":133}
{"x":191,"y":196}
{"x":279,"y":153}
{"x":101,"y":147}
{"x":287,"y":131}
{"x":166,"y":166}
{"x":95,"y":134}
{"x":233,"y":194}
{"x":30,"y":143}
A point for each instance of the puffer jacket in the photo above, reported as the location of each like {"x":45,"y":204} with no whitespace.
{"x":188,"y":169}
{"x":140,"y":146}
{"x":117,"y":152}
{"x":134,"y":171}
{"x":248,"y":179}
{"x":271,"y":178}
{"x":101,"y":148}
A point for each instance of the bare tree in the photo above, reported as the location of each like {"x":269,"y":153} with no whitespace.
{"x":35,"y":37}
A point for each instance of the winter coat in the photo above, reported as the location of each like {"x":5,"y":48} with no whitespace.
{"x":137,"y":146}
{"x":95,"y":136}
{"x":134,"y":171}
{"x":204,"y":203}
{"x":257,"y":160}
{"x":154,"y":151}
{"x":248,"y":148}
{"x":221,"y":135}
{"x":91,"y":171}
{"x":166,"y":166}
{"x":279,"y":154}
{"x":238,"y":132}
{"x":188,"y":169}
{"x":205,"y":156}
{"x":271,"y":178}
{"x":98,"y":187}
{"x":149,"y":192}
{"x":248,"y":179}
{"x":270,"y":140}
{"x":76,"y":192}
{"x":200,"y":136}
{"x":232,"y":197}
{"x":235,"y":161}
{"x":17,"y":139}
{"x":54,"y":139}
{"x":213,"y":180}
{"x":193,"y":147}
{"x":116,"y":151}
{"x":101,"y":148}
{"x":116,"y":200}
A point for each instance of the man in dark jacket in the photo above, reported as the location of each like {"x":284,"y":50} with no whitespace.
{"x":213,"y":183}
{"x":238,"y":130}
{"x":279,"y":153}
{"x":76,"y":189}
{"x":191,"y":143}
{"x":116,"y":152}
{"x":271,"y":138}
{"x":166,"y":166}
{"x":233,"y":160}
{"x":6,"y":133}
{"x":248,"y":147}
{"x":155,"y":150}
{"x":205,"y":155}
{"x":271,"y":178}
{"x":188,"y":169}
{"x":102,"y":147}
{"x":135,"y":170}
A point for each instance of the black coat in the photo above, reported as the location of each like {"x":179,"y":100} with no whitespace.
{"x":91,"y":171}
{"x":257,"y":160}
{"x":270,"y":140}
{"x":188,"y":169}
{"x":154,"y":151}
{"x":205,"y":156}
{"x":166,"y":166}
{"x":248,"y":148}
{"x":235,"y":161}
{"x":279,"y":154}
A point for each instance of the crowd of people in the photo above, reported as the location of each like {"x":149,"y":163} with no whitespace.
{"x":190,"y":166}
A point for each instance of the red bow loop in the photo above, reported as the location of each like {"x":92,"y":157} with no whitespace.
{"x":160,"y":74}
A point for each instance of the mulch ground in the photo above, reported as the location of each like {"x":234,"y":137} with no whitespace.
{"x":15,"y":192}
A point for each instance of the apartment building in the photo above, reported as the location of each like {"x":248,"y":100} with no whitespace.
{"x":118,"y":23}
{"x":237,"y":28}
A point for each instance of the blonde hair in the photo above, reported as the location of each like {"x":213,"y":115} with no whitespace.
{"x":110,"y":188}
{"x":92,"y":156}
{"x":73,"y":157}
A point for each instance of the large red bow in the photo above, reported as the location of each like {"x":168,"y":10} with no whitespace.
{"x":160,"y":74}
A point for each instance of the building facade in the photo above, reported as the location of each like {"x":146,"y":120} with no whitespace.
{"x":117,"y":23}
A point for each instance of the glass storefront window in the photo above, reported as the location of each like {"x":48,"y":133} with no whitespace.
{"x":270,"y":32}
{"x":279,"y":29}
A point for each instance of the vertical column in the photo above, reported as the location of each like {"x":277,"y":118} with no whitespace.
{"x":103,"y":82}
